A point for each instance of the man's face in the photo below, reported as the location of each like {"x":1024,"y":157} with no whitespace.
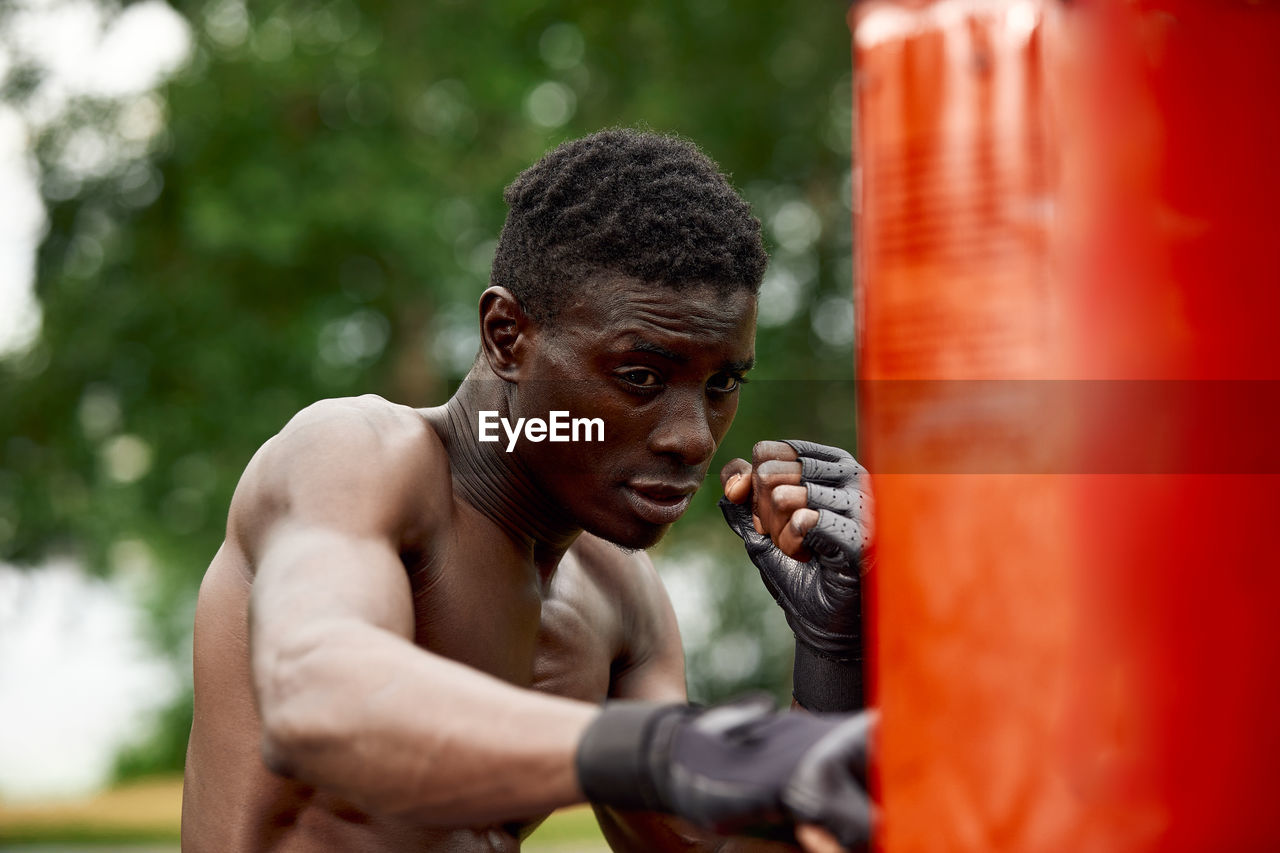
{"x":661,"y":368}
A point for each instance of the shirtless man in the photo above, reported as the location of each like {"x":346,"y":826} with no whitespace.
{"x":406,"y":638}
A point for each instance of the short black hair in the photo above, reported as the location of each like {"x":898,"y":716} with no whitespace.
{"x":641,"y":204}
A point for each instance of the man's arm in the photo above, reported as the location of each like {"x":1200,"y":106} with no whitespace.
{"x":348,"y":702}
{"x":804,"y":512}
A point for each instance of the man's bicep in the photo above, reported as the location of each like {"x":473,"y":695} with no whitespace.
{"x":309,"y":576}
{"x":317,"y":587}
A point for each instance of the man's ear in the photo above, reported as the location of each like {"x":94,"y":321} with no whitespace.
{"x":505,"y":332}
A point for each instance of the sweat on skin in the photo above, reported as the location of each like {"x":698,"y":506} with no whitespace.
{"x":559,"y":427}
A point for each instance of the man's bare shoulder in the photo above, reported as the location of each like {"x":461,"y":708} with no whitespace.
{"x":360,"y":463}
{"x":649,"y":663}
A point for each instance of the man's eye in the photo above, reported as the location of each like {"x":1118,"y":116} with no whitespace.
{"x":725,"y":383}
{"x":640,"y":378}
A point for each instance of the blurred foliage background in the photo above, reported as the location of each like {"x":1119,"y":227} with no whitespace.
{"x":308,"y":209}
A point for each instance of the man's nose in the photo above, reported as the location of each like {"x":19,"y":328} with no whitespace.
{"x":685,"y":431}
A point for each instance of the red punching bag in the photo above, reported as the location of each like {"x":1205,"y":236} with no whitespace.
{"x":1067,"y":288}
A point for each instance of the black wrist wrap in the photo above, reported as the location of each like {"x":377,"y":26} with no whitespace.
{"x":825,"y":684}
{"x":613,"y":759}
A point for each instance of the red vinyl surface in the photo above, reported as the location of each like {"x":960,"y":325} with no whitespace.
{"x":1066,"y":239}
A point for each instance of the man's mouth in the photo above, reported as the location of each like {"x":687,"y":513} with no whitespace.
{"x":660,"y":503}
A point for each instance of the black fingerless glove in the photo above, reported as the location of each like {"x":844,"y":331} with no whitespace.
{"x":735,"y":769}
{"x":822,"y":598}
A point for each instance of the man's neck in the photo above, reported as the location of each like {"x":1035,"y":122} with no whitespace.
{"x":496,"y":483}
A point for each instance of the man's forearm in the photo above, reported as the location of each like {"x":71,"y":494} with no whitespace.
{"x":825,"y":683}
{"x":366,"y":715}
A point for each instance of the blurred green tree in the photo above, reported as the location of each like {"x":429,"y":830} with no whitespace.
{"x":315,"y":217}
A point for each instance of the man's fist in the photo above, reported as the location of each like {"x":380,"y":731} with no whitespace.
{"x":804,"y":512}
{"x":740,"y":768}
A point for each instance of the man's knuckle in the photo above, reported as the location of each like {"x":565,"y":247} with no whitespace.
{"x":778,"y":472}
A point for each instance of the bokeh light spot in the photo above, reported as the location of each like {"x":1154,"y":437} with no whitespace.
{"x":550,"y":104}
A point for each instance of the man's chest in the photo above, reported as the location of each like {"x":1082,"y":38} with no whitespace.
{"x":561,"y":639}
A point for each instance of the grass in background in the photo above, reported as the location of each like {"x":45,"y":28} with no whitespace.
{"x":149,"y":811}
